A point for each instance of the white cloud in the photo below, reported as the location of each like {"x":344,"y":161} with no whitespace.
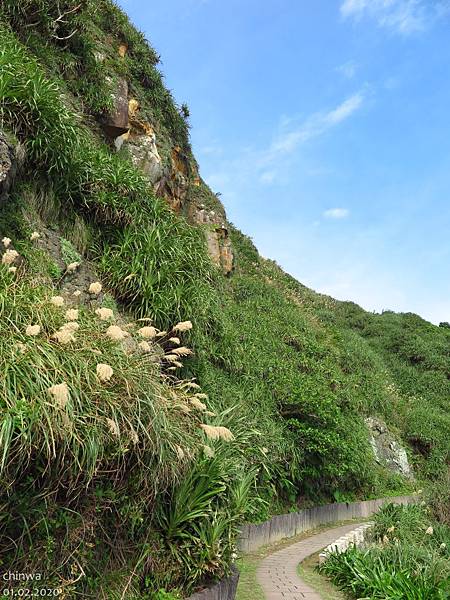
{"x":315,"y":125}
{"x":403,"y":16}
{"x":268,"y":177}
{"x":336,"y":213}
{"x":212,"y":149}
{"x":344,"y":110}
{"x":348,"y":69}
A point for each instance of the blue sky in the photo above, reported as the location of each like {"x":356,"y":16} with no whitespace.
{"x":325,"y":125}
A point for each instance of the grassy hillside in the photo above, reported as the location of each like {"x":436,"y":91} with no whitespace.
{"x":136,"y":483}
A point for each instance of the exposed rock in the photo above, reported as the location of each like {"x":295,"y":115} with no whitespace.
{"x":116,"y":122}
{"x":387,"y":451}
{"x":118,"y":142}
{"x":226,"y":250}
{"x":141,"y":144}
{"x":171,"y":181}
{"x":173,"y":187}
{"x":174,"y":184}
{"x":217,"y":238}
{"x":133,"y":109}
{"x":144,"y":154}
{"x":123,"y":49}
{"x":179,"y":161}
{"x":212,"y":242}
{"x":8,"y":165}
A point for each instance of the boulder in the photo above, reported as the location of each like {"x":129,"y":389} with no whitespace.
{"x":387,"y":450}
{"x":115,"y":123}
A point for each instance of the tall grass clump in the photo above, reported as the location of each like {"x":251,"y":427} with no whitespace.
{"x":438,"y":497}
{"x":94,"y":430}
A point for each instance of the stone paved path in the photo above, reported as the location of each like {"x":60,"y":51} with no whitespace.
{"x":277,"y":573}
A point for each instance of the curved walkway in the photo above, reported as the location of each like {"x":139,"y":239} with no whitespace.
{"x":277,"y":573}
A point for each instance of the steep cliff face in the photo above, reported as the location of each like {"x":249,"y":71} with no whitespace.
{"x":171,"y":170}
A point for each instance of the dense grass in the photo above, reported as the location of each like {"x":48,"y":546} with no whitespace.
{"x":97,"y":28}
{"x":410,"y":559}
{"x":106,"y":444}
{"x":392,"y":365}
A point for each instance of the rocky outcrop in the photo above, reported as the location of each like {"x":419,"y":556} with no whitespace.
{"x":115,"y":123}
{"x":217,"y":237}
{"x":174,"y":184}
{"x":8,"y":165}
{"x":122,"y":49}
{"x":387,"y":451}
{"x":144,"y":153}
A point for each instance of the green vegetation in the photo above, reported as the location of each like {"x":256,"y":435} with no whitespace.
{"x":68,"y":252}
{"x":248,"y":586}
{"x":309,"y":385}
{"x":417,"y":356}
{"x":410,"y":558}
{"x":78,"y":47}
{"x":87,"y":455}
{"x":121,"y":491}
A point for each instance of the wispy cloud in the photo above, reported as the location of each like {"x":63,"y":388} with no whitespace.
{"x":314,"y":126}
{"x":348,"y":69}
{"x":211,"y":149}
{"x":271,"y":163}
{"x":268,"y":177}
{"x":336,"y":213}
{"x":402,"y":16}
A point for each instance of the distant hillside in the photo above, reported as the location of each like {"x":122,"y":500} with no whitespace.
{"x":235,"y":391}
